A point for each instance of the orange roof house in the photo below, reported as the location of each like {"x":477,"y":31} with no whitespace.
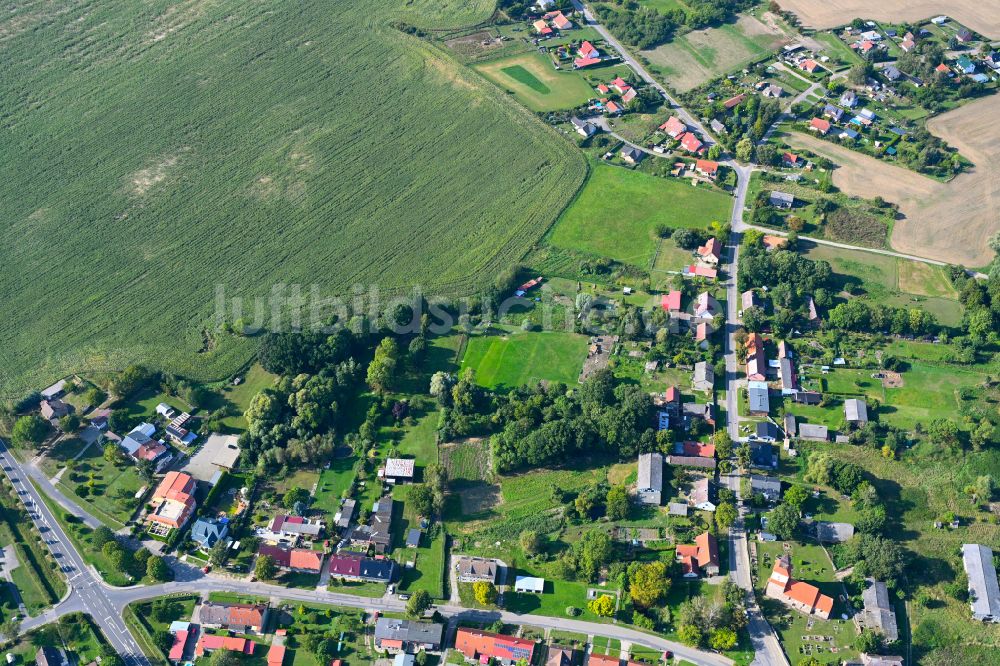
{"x":294,"y":559}
{"x":809,"y":65}
{"x":173,"y":501}
{"x":597,"y":659}
{"x":707,"y":168}
{"x":212,"y":642}
{"x":629,"y":95}
{"x":819,"y":125}
{"x":483,"y":645}
{"x":671,"y":302}
{"x":276,"y":655}
{"x":803,"y":597}
{"x":620,"y":85}
{"x":587,"y":50}
{"x":690,"y":143}
{"x":734,"y":101}
{"x":700,"y":557}
{"x":611,"y":107}
{"x":711,"y":252}
{"x":674,"y":127}
{"x":580,"y":63}
{"x":603,"y":89}
{"x":561,"y":22}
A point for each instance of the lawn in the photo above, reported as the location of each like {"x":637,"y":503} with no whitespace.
{"x":253,"y":382}
{"x":618,"y":210}
{"x":558,"y":595}
{"x":105,"y":489}
{"x":36,"y":577}
{"x":76,"y":632}
{"x":515,"y":358}
{"x":145,"y":206}
{"x":536,"y":83}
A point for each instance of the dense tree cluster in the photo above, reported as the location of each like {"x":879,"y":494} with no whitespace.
{"x":645,"y":27}
{"x":866,"y":316}
{"x":548,"y":425}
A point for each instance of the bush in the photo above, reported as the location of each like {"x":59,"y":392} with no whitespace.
{"x":573,"y":611}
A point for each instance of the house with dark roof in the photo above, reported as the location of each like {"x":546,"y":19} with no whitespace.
{"x":239,"y":618}
{"x":762,"y":454}
{"x":357,"y":567}
{"x":632,"y":155}
{"x":475,"y":569}
{"x":878,"y":614}
{"x":395,"y":635}
{"x":813,"y":433}
{"x":768,"y":486}
{"x":984,"y":589}
{"x":208,"y":531}
{"x":301,"y":560}
{"x":51,"y":656}
{"x":649,"y":485}
{"x":782,"y":199}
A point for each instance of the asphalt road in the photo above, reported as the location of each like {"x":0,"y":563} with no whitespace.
{"x":87,"y":593}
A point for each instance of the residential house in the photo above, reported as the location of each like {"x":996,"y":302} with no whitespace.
{"x":878,"y":614}
{"x":801,"y":596}
{"x":378,"y":531}
{"x":820,"y":126}
{"x":848,"y":133}
{"x":789,"y":379}
{"x":180,"y":643}
{"x":398,"y":470}
{"x":697,"y":270}
{"x":177,"y":429}
{"x":671,"y":302}
{"x":208,"y":531}
{"x":734,"y":101}
{"x":346,"y":565}
{"x":481,"y":646}
{"x":791,"y":160}
{"x":542,"y":28}
{"x":57,"y":390}
{"x":588,"y":51}
{"x":717,"y":127}
{"x":559,"y":656}
{"x":834,"y":113}
{"x":238,"y":618}
{"x":475,"y":569}
{"x":964,"y":36}
{"x":762,"y":454}
{"x":561,"y":22}
{"x":649,"y":485}
{"x":293,"y":527}
{"x":879,"y":660}
{"x":965,"y":65}
{"x":580,"y":63}
{"x":707,"y":168}
{"x":597,"y":659}
{"x":993,"y":60}
{"x":345,"y":515}
{"x":768,"y":486}
{"x":631,"y":154}
{"x":395,"y":635}
{"x":813,"y":432}
{"x":704,"y":376}
{"x":856,"y":411}
{"x":704,"y":305}
{"x":691,"y":143}
{"x":748,"y":299}
{"x":696,"y":449}
{"x":702,"y":332}
{"x":583,"y":127}
{"x":809,"y":65}
{"x":53,"y":410}
{"x":50,"y":656}
{"x":529,"y":584}
{"x":849,"y":98}
{"x":772,"y":90}
{"x":300,"y":560}
{"x":984,"y":589}
{"x":620,"y":85}
{"x":765,"y":431}
{"x":700,"y":496}
{"x":701,"y":558}
{"x":709,"y":253}
{"x":208,"y":643}
{"x":781,"y":199}
{"x":698,"y":410}
{"x":757,"y":395}
{"x":908,"y":43}
{"x":891,"y":72}
{"x":276,"y":654}
{"x":172,"y":503}
{"x":674,"y":128}
{"x":691,"y":461}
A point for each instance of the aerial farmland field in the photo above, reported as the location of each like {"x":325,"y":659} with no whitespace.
{"x":533,"y":80}
{"x":156,"y":150}
{"x":979,"y":16}
{"x":514,"y":358}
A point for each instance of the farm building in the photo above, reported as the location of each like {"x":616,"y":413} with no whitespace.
{"x":529,"y":584}
{"x":878,"y":614}
{"x":984,"y":589}
{"x":856,"y":411}
{"x":649,"y":486}
{"x":813,"y":432}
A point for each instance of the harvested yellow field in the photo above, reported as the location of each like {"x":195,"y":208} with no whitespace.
{"x":980,"y":16}
{"x":946,"y":221}
{"x":920,"y":279}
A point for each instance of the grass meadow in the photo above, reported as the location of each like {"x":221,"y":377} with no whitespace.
{"x":515,"y":358}
{"x":536,"y":83}
{"x":617,"y":212}
{"x":154,"y":151}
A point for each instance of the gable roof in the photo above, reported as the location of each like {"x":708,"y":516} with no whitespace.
{"x":294,"y":558}
{"x":671,"y":301}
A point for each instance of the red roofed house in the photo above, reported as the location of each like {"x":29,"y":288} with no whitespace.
{"x":580,"y":63}
{"x":795,"y":594}
{"x":620,"y":85}
{"x":629,"y":95}
{"x":701,"y":271}
{"x":672,"y":394}
{"x":696,"y":449}
{"x":943,"y":69}
{"x":611,"y":107}
{"x":866,"y":46}
{"x":707,"y":168}
{"x":294,"y":559}
{"x":819,"y":125}
{"x":561,"y":22}
{"x":711,"y":252}
{"x":674,"y":127}
{"x":483,"y":645}
{"x":701,"y":334}
{"x":734,"y":101}
{"x":809,"y":65}
{"x":587,"y":51}
{"x":180,"y":643}
{"x":173,"y":501}
{"x":671,"y":302}
{"x":276,"y":655}
{"x":603,"y":89}
{"x":791,"y":159}
{"x":211,"y":642}
{"x":700,"y":558}
{"x":541,"y":27}
{"x":597,"y":659}
{"x":690,"y":143}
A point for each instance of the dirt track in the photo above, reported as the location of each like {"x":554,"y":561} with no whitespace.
{"x":945,"y":221}
{"x":979,"y":15}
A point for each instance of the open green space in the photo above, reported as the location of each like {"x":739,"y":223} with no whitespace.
{"x":239,"y":396}
{"x":36,"y":576}
{"x":617,"y":212}
{"x":513,"y":358}
{"x":106,"y":489}
{"x":142,"y":179}
{"x":536,"y":83}
{"x":76,"y":633}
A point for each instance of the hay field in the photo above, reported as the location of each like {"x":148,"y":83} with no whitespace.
{"x":975,"y":14}
{"x":533,"y":80}
{"x":946,"y":221}
{"x":701,"y":55}
{"x":153,"y":150}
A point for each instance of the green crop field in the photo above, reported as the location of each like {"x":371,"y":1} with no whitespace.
{"x":617,"y":212}
{"x":517,"y":358}
{"x":536,"y":83}
{"x":154,"y":150}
